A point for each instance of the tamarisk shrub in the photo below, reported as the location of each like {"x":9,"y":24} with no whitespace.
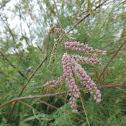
{"x":72,"y":68}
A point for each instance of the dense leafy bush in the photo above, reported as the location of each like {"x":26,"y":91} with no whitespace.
{"x":25,"y":51}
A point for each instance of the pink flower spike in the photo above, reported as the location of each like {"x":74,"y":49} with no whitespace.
{"x":53,"y":27}
{"x":98,"y":100}
{"x":95,"y":88}
{"x":95,"y":98}
{"x":47,"y":83}
{"x":91,"y":93}
{"x":51,"y":85}
{"x":99,"y":95}
{"x":103,"y":54}
{"x":72,"y":69}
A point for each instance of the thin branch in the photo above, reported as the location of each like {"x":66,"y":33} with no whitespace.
{"x":84,"y":111}
{"x":13,"y":38}
{"x":107,"y":86}
{"x":47,"y":104}
{"x":50,"y":95}
{"x":26,"y":85}
{"x":13,"y":65}
{"x":112,"y":86}
{"x":57,"y":94}
{"x":58,"y":15}
{"x":60,"y":109}
{"x":34,"y":97}
{"x":110,"y":61}
{"x":29,"y":106}
{"x":3,"y":88}
{"x":1,"y":72}
{"x":86,"y":16}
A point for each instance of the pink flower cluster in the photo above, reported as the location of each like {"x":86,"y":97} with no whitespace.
{"x":72,"y":68}
{"x":86,"y":60}
{"x":81,"y":47}
{"x":53,"y":30}
{"x":86,"y":80}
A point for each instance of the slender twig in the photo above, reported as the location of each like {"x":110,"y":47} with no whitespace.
{"x":26,"y":85}
{"x":60,"y":109}
{"x":104,"y":121}
{"x":13,"y":37}
{"x":107,"y":86}
{"x":81,"y":107}
{"x":58,"y":16}
{"x":86,"y":16}
{"x":57,"y":94}
{"x":34,"y":97}
{"x":3,"y":91}
{"x":110,"y":61}
{"x":112,"y":86}
{"x":29,"y":106}
{"x":47,"y":104}
{"x":49,"y":95}
{"x":3,"y":87}
{"x":84,"y":111}
{"x":12,"y":65}
{"x":1,"y":72}
{"x":63,"y":33}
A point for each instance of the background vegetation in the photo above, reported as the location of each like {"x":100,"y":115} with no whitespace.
{"x":25,"y":45}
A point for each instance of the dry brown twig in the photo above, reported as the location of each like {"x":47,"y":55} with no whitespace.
{"x":57,"y":94}
{"x":34,"y":97}
{"x":84,"y":111}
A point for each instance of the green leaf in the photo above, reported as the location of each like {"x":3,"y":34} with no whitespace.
{"x":18,"y":45}
{"x":13,"y":71}
{"x":23,"y":37}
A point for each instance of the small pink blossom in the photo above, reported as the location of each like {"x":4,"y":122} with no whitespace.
{"x":53,"y":30}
